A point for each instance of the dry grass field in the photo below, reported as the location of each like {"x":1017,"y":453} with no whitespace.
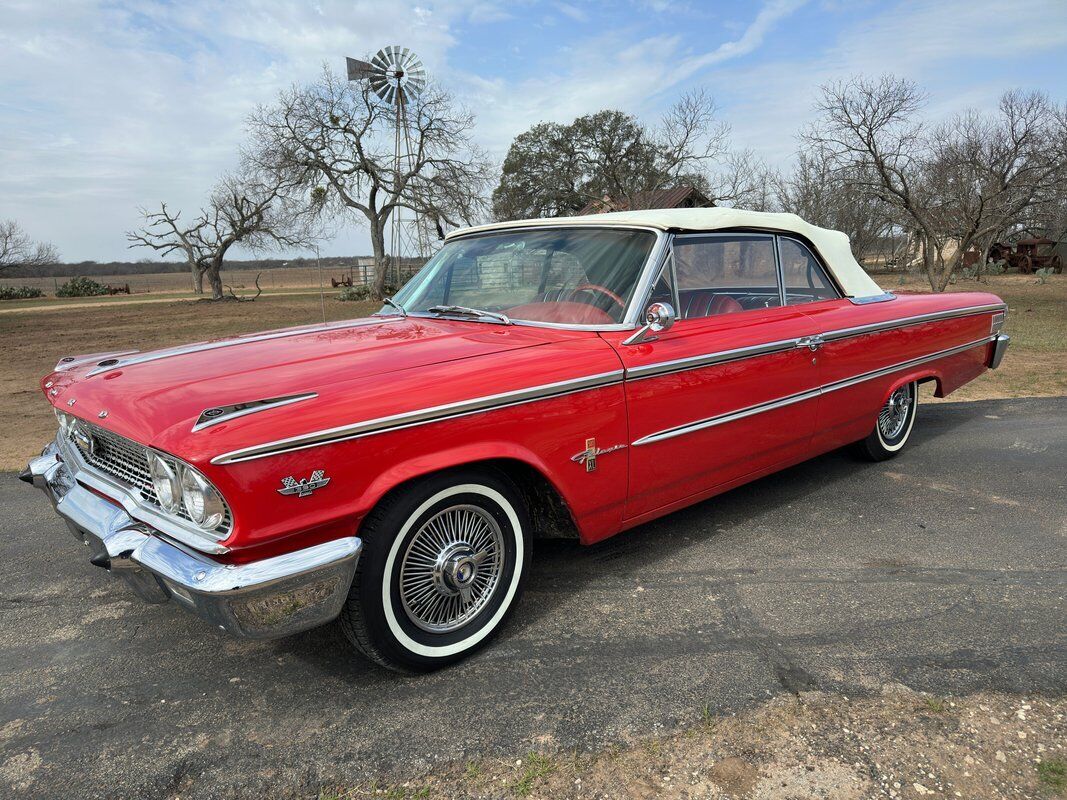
{"x":178,"y":283}
{"x":33,"y":337}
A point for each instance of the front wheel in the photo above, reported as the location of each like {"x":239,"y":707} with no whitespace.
{"x":893,"y":426}
{"x":442,"y":567}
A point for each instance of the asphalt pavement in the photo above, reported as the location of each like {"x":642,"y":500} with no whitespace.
{"x":944,"y":569}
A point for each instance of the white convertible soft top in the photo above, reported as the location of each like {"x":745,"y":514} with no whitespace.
{"x":832,"y":245}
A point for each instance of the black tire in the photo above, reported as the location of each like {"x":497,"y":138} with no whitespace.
{"x":886,"y":441}
{"x":377,"y":618}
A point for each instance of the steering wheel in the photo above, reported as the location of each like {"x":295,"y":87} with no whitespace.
{"x":593,"y":287}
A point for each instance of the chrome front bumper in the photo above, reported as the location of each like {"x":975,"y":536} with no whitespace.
{"x":259,"y":600}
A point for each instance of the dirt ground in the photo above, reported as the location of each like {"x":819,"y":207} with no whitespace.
{"x":32,"y":342}
{"x":34,"y":338}
{"x":901,"y":744}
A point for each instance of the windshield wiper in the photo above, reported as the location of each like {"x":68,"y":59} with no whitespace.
{"x":391,"y":302}
{"x":470,"y":312}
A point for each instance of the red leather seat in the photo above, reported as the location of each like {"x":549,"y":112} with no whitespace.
{"x":706,"y":304}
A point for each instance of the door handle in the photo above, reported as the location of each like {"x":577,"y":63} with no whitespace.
{"x":813,"y":343}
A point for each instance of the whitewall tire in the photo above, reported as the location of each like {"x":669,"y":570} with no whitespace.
{"x":443,"y":565}
{"x":894,"y":424}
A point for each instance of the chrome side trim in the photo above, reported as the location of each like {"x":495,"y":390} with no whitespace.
{"x":217,"y":414}
{"x":878,"y":373}
{"x":782,"y":402}
{"x":721,"y":419}
{"x":696,"y":362}
{"x":262,"y":337}
{"x":423,"y":416}
{"x":905,"y":322}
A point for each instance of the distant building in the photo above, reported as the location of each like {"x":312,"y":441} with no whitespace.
{"x":678,"y":197}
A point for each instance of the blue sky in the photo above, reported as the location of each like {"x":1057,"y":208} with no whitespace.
{"x":107,"y":106}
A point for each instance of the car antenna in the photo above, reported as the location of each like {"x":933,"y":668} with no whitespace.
{"x":322,"y":294}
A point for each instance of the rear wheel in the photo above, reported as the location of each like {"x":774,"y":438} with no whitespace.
{"x":442,"y":567}
{"x":893,"y":427}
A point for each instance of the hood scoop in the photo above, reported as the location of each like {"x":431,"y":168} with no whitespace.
{"x":216,"y":414}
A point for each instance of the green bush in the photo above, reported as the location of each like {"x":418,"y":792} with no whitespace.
{"x":1043,"y":274}
{"x":80,"y":286}
{"x":347,"y":293}
{"x":996,"y":268}
{"x":19,"y":292}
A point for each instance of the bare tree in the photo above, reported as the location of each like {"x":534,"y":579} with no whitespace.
{"x":249,"y":209}
{"x":835,"y":196}
{"x":18,"y":250}
{"x":164,"y":232}
{"x":335,"y":139}
{"x":955,"y":185}
{"x":744,"y":181}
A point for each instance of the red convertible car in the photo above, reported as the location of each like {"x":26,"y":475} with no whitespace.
{"x":564,"y":377}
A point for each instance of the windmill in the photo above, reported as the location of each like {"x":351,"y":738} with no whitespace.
{"x":397,"y":76}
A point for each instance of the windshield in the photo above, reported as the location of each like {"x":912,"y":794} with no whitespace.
{"x":577,"y":276}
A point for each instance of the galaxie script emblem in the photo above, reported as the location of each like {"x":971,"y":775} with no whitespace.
{"x":304,"y":486}
{"x":591,"y":451}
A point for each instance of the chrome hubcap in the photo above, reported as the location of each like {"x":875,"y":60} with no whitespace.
{"x":451,"y":568}
{"x":894,"y":415}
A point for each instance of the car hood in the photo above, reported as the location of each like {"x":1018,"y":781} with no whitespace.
{"x":156,"y":398}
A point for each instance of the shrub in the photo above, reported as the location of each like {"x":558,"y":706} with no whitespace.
{"x":19,"y":292}
{"x":1043,"y":274}
{"x":347,"y":293}
{"x":80,"y":286}
{"x":362,"y":292}
{"x":996,"y":268}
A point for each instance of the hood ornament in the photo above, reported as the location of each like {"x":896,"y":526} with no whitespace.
{"x":304,"y":486}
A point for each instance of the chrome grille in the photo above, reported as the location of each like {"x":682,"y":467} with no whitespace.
{"x":127,"y":462}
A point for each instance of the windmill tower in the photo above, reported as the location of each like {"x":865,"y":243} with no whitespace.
{"x":397,"y":76}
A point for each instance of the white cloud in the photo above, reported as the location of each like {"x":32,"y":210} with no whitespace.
{"x":110,"y":105}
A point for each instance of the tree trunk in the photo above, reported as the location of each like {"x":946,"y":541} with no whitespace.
{"x":214,"y":277}
{"x":381,"y":262}
{"x":198,"y":280}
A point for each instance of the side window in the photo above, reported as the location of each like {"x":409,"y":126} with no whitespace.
{"x":805,"y":279}
{"x":724,"y":274}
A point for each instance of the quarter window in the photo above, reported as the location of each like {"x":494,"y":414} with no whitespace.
{"x":725,"y":274}
{"x":805,"y":279}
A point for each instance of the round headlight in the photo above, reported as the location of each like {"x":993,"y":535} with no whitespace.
{"x":165,"y":482}
{"x":200,"y":500}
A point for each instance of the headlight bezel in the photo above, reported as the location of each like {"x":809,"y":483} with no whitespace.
{"x":169,"y":478}
{"x":139,"y":496}
{"x":212,"y":508}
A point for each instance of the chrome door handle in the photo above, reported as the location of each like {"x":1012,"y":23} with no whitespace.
{"x":813,"y":343}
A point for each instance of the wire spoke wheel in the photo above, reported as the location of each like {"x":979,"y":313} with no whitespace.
{"x":893,"y":417}
{"x":451,"y":568}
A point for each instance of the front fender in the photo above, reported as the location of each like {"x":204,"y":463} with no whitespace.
{"x":450,"y":458}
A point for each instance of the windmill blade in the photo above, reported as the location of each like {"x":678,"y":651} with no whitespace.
{"x":358,"y":70}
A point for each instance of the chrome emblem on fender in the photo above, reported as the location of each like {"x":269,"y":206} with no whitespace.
{"x":589,"y":454}
{"x":304,"y":486}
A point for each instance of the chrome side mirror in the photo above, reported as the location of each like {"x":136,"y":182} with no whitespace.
{"x":658,"y":317}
